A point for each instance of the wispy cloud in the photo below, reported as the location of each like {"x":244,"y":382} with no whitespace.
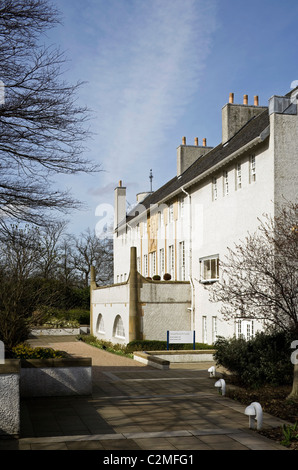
{"x":146,"y":64}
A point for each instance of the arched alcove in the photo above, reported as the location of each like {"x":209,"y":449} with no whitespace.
{"x":118,"y":329}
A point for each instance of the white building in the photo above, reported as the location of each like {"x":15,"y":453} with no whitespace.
{"x":186,"y":226}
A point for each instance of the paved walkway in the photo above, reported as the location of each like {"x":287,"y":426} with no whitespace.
{"x":134,"y":408}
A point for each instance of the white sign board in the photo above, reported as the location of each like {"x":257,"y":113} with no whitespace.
{"x":179,"y":337}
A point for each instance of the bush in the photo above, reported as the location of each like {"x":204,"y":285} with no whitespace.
{"x":154,"y":345}
{"x":263,"y":360}
{"x":167,"y":277}
{"x":23,"y":351}
{"x":61,"y":323}
{"x":156,"y":277}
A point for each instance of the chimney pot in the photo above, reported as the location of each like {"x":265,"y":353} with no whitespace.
{"x":196,"y":141}
{"x":120,"y":184}
{"x":231,"y":98}
{"x":183,"y":140}
{"x":204,"y":142}
{"x":256,"y":100}
{"x":245,"y":99}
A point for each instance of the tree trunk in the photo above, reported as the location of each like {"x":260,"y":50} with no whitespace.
{"x":294,"y":392}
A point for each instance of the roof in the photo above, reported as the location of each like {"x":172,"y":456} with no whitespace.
{"x":248,"y":133}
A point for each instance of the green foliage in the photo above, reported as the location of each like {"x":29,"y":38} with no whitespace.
{"x":24,"y":351}
{"x":106,"y":345}
{"x":14,"y":329}
{"x":154,"y":345}
{"x":263,"y":360}
{"x":54,"y":322}
{"x":290,"y":433}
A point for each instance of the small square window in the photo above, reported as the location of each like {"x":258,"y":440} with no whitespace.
{"x":209,"y":269}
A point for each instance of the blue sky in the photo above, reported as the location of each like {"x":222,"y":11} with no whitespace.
{"x":157,"y":70}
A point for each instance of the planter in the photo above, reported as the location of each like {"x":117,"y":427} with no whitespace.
{"x":10,"y":398}
{"x":163,"y":359}
{"x":55,"y":377}
{"x":39,"y":378}
{"x":54,"y":332}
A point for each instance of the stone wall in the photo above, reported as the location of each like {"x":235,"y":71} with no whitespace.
{"x":39,"y":378}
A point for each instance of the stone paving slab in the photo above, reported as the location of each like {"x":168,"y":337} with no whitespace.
{"x":137,"y":408}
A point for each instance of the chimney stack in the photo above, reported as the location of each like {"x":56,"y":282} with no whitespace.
{"x":119,"y":205}
{"x":204,"y":142}
{"x":196,"y":141}
{"x":235,"y":116}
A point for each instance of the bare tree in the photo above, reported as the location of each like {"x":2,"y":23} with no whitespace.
{"x":42,"y":128}
{"x":19,"y":251}
{"x":259,"y":278}
{"x":50,"y":250}
{"x":97,"y":252}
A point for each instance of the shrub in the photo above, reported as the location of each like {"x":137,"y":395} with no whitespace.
{"x":156,"y":277}
{"x":263,"y":360}
{"x":61,"y":323}
{"x":155,"y":345}
{"x":24,"y":351}
{"x":167,"y":277}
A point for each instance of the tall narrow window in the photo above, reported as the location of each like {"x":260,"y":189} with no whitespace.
{"x":139,"y":264}
{"x":214,"y":329}
{"x":204,"y":328}
{"x":252,"y":168}
{"x":214,"y":189}
{"x":238,"y":176}
{"x":145,"y":265}
{"x":226,"y":183}
{"x":171,"y":213}
{"x":161,"y":262}
{"x":152,"y":264}
{"x":181,"y":208}
{"x":171,"y":261}
{"x":182,"y":261}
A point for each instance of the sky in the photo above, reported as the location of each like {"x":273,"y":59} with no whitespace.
{"x":157,"y":70}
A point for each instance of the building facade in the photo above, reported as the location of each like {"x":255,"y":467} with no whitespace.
{"x":185,"y":227}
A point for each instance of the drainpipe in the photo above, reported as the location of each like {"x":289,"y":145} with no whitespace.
{"x":134,"y":320}
{"x":190,"y":258}
{"x":92,"y":287}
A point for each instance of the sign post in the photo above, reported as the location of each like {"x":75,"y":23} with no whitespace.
{"x":181,"y":337}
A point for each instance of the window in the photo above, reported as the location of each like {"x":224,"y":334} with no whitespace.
{"x":226,"y":183}
{"x":100,"y":328}
{"x":181,"y":208}
{"x":152,"y":264}
{"x":245,"y":329}
{"x":209,"y":269}
{"x":214,"y":189}
{"x":204,"y":329}
{"x":119,"y":327}
{"x":182,"y":261}
{"x":238,"y":176}
{"x":252,"y":168}
{"x":171,"y":213}
{"x":214,"y":329}
{"x":145,"y":273}
{"x":161,"y":262}
{"x":171,"y":261}
{"x":139,"y":264}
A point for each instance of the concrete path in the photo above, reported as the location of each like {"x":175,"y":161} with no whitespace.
{"x":137,"y":408}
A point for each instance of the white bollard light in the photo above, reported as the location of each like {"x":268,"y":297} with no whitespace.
{"x":212,"y":371}
{"x":255,"y":413}
{"x":221,"y":384}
